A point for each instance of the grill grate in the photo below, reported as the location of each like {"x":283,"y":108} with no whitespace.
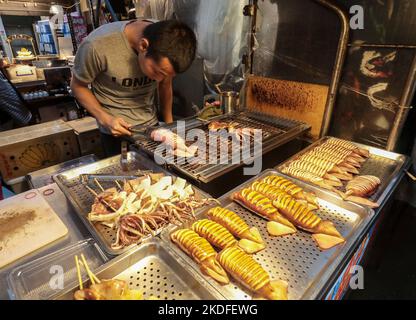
{"x":275,"y":131}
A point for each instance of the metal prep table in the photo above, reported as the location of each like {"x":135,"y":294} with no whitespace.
{"x":76,"y":228}
{"x":77,"y":232}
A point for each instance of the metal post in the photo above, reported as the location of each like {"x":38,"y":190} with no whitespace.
{"x":339,"y":62}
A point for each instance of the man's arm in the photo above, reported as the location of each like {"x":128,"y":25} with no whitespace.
{"x":166,"y":99}
{"x":117,"y":126}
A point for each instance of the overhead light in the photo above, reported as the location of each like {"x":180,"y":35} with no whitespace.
{"x":56,"y":9}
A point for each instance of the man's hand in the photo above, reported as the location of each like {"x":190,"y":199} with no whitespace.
{"x":117,"y":126}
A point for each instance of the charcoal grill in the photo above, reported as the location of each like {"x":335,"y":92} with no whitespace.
{"x":276,"y":131}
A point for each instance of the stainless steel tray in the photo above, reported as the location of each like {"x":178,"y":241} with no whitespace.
{"x":82,"y":200}
{"x":294,"y":258}
{"x":386,"y":165}
{"x":155,"y":271}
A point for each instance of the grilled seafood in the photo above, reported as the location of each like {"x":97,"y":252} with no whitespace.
{"x":233,"y":128}
{"x":359,"y":188}
{"x":318,"y":171}
{"x":234,"y":224}
{"x":202,"y":252}
{"x":292,"y":189}
{"x":363,"y":186}
{"x":221,"y":238}
{"x":328,"y":166}
{"x":142,"y":206}
{"x":258,"y":203}
{"x":324,"y":232}
{"x":336,"y":159}
{"x":349,"y":145}
{"x":301,"y":216}
{"x":218,"y":125}
{"x":174,"y":142}
{"x":348,"y":155}
{"x":271,"y":192}
{"x":307,"y":176}
{"x":251,"y":274}
{"x":108,"y":290}
{"x":113,"y":289}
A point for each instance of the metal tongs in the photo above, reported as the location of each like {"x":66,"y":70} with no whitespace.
{"x":142,"y":132}
{"x":90,"y":179}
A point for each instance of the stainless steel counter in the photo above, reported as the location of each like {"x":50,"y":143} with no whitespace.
{"x":77,"y":232}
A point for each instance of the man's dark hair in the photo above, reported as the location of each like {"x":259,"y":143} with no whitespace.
{"x":171,"y":39}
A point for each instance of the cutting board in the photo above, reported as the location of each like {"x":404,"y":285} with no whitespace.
{"x":27,"y":223}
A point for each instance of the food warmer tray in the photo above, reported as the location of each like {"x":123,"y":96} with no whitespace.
{"x":294,"y":258}
{"x":156,"y":271}
{"x":386,"y":165}
{"x":81,"y":199}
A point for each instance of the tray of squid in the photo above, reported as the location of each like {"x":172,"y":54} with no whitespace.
{"x":271,"y":238}
{"x":362,"y":174}
{"x":122,"y":209}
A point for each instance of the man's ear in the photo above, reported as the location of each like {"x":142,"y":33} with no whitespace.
{"x":144,"y":44}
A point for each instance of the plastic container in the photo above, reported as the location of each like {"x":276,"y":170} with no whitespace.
{"x":46,"y":277}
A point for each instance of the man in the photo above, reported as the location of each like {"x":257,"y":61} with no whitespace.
{"x":127,"y":63}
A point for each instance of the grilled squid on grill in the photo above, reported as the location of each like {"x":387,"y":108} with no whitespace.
{"x":324,"y":232}
{"x":251,"y":274}
{"x":202,"y":252}
{"x":221,"y":238}
{"x":233,"y":223}
{"x":361,"y":187}
{"x":318,"y":171}
{"x":258,"y":203}
{"x":292,"y":189}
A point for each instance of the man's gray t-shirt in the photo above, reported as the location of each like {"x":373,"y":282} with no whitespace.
{"x":107,"y":62}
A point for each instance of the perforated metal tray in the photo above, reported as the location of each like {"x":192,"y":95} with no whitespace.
{"x":386,"y":165}
{"x":294,"y":258}
{"x":156,"y":271}
{"x":82,"y":200}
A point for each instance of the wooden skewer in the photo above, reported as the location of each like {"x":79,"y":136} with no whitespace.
{"x":128,"y":181}
{"x":118,"y":185}
{"x":99,"y":184}
{"x":81,"y":287}
{"x":101,"y":200}
{"x":92,"y":276}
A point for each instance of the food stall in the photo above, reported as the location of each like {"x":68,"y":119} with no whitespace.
{"x":169,"y":219}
